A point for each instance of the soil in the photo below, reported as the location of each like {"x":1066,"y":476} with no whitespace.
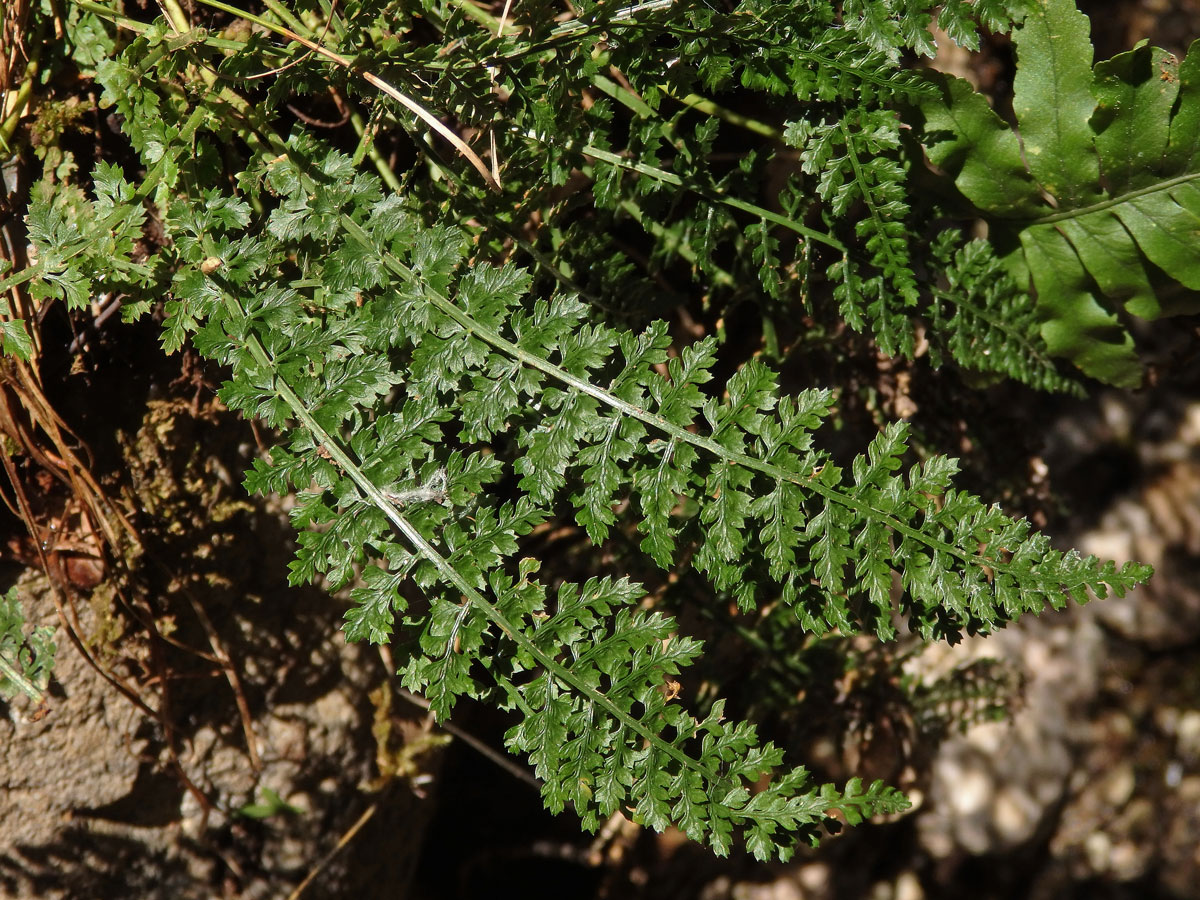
{"x":104,"y":798}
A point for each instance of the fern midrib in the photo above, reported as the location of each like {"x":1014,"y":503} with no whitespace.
{"x":869,"y":199}
{"x":200,"y":34}
{"x":443,"y":566}
{"x":1113,"y":201}
{"x":999,"y":324}
{"x":16,"y":279}
{"x":711,"y":446}
{"x":23,"y":684}
{"x":674,"y":180}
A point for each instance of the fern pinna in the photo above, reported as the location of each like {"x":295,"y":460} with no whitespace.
{"x":438,"y":408}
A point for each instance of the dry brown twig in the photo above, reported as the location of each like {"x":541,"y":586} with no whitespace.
{"x":12,"y":49}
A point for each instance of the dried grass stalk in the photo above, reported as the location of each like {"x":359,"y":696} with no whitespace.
{"x":13,"y":55}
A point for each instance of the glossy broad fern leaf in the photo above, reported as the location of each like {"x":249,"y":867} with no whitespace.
{"x":1096,"y":191}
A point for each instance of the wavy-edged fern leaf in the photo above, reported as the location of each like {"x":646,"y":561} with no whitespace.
{"x":1098,"y":185}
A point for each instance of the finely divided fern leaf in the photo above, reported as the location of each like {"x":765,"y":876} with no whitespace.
{"x":598,"y":417}
{"x":985,"y":320}
{"x":26,"y":659}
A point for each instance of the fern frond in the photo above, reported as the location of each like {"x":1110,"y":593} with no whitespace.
{"x":599,"y":749}
{"x":985,"y":320}
{"x":738,"y":454}
{"x":584,"y":414}
{"x":26,"y":659}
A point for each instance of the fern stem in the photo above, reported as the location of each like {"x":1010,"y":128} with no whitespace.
{"x":286,"y":17}
{"x":122,"y":21}
{"x":710,"y":108}
{"x":672,"y":242}
{"x":176,"y":16}
{"x":1115,"y":201}
{"x":480,"y":15}
{"x":27,"y":274}
{"x":27,"y":687}
{"x":670,"y":178}
{"x":623,"y":95}
{"x":366,"y":146}
{"x":17,"y":100}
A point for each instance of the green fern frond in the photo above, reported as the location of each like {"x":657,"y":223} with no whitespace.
{"x":584,"y":414}
{"x":26,"y":660}
{"x":985,"y":320}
